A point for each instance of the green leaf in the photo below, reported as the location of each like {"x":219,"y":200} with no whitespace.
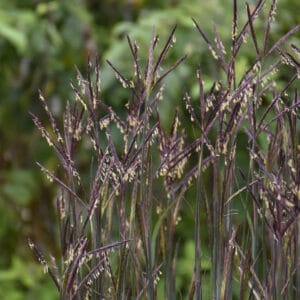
{"x":14,"y":36}
{"x":20,"y":186}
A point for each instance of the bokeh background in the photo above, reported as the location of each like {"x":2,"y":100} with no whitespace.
{"x":41,"y":42}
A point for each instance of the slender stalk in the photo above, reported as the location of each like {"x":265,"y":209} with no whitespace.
{"x":198,"y":254}
{"x":217,"y":235}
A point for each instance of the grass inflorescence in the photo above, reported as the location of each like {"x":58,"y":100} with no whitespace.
{"x":117,"y":228}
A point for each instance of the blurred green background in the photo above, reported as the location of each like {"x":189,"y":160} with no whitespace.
{"x":40,"y":44}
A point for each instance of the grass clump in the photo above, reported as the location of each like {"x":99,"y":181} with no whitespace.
{"x":118,"y":221}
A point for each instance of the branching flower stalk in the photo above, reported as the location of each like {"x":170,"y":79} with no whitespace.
{"x":118,"y":229}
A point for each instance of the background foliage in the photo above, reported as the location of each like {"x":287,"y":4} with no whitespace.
{"x":40,"y":43}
